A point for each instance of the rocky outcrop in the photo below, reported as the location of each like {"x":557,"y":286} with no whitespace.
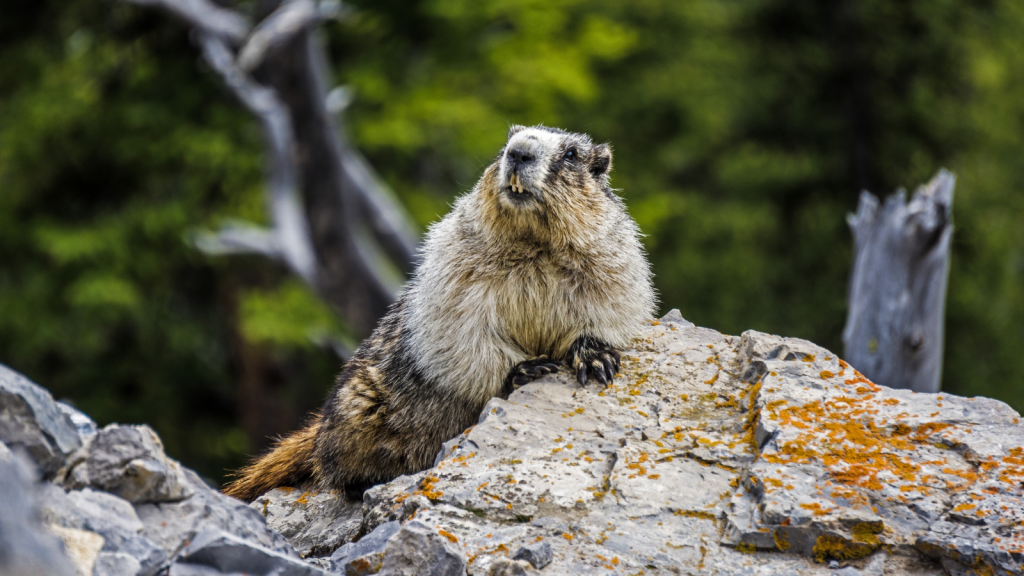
{"x":709,"y":454}
{"x":111,"y":503}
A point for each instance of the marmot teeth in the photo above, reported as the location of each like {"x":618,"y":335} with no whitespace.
{"x":515,"y":184}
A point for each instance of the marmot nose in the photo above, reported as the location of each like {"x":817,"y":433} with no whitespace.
{"x":520,"y":157}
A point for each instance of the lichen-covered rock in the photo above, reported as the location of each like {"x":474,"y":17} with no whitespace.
{"x":315,"y":522}
{"x":367,"y":555}
{"x":128,"y":461}
{"x":713,"y":454}
{"x":418,"y":548}
{"x":32,"y":421}
{"x":708,"y":454}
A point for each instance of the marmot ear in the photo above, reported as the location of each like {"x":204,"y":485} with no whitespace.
{"x":515,"y":128}
{"x":601,"y":160}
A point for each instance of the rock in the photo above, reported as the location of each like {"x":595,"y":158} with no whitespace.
{"x":116,"y":564}
{"x":30,"y":420}
{"x":708,"y":454}
{"x":84,"y":425}
{"x":171,"y":524}
{"x":26,"y":547}
{"x":676,"y":466}
{"x":538,"y":554}
{"x":316,"y":523}
{"x":111,"y":522}
{"x":420,"y":549}
{"x":227,"y":554}
{"x":367,"y":555}
{"x":128,"y":461}
{"x":506,"y":567}
{"x":81,"y":546}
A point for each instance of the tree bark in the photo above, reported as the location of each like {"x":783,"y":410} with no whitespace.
{"x":894,"y":327}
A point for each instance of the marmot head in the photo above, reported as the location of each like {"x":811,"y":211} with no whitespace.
{"x":546,"y":183}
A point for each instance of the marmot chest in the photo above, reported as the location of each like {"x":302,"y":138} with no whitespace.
{"x":533,"y":305}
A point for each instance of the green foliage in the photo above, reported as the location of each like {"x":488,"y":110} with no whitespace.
{"x":743,"y":133}
{"x":288,"y":315}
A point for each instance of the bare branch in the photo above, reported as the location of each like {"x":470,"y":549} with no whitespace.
{"x":239,"y":238}
{"x":291,"y":18}
{"x":286,"y":211}
{"x":206,"y":17}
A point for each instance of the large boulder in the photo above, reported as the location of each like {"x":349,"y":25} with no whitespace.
{"x":113,"y":503}
{"x":717,"y":454}
{"x":708,"y":454}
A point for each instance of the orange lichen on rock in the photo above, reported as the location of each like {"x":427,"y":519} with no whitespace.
{"x":842,"y":434}
{"x":427,"y":488}
{"x":829,"y":546}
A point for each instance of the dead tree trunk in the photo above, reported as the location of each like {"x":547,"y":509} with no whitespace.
{"x":894,"y":329}
{"x":335,"y":225}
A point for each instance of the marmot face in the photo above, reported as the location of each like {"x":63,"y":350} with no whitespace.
{"x":546,"y":182}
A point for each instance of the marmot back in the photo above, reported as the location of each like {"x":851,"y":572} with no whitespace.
{"x":539,"y":266}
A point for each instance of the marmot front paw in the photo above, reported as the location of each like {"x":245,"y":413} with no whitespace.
{"x":592,"y":357}
{"x":529,"y":370}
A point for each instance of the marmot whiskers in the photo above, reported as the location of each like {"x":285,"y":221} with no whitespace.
{"x":539,"y":265}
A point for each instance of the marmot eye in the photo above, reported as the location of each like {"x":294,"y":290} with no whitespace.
{"x":569,"y":154}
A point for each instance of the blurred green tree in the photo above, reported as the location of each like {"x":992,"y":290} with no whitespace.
{"x":743,"y":133}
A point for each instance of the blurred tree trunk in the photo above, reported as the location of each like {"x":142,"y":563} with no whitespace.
{"x":335,"y":224}
{"x":894,"y":327}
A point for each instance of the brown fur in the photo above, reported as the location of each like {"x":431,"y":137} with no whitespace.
{"x":287,"y":463}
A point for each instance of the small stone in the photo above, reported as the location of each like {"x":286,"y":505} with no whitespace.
{"x":116,"y":564}
{"x":129,"y":461}
{"x":418,"y":549}
{"x":833,"y":565}
{"x":538,"y":554}
{"x":506,"y":567}
{"x":675,"y":317}
{"x":230,"y":554}
{"x":316,"y":523}
{"x":367,"y":555}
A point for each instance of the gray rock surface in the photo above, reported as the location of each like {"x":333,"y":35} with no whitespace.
{"x":714,"y":454}
{"x":418,"y":548}
{"x":367,"y":555}
{"x":117,"y":503}
{"x":30,"y":420}
{"x":537,"y":554}
{"x":314,"y":522}
{"x":128,"y":461}
{"x":228,"y":554}
{"x":26,"y":547}
{"x":708,"y":454}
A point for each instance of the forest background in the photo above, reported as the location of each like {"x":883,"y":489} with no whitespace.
{"x":743,"y":133}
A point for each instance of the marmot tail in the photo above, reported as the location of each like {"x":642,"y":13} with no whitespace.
{"x":288,"y":463}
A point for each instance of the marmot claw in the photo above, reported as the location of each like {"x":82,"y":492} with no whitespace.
{"x":592,"y":358}
{"x":529,"y":370}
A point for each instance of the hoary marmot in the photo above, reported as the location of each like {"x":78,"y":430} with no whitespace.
{"x":537,"y":267}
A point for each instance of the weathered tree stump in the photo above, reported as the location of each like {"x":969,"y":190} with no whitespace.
{"x":894,"y":328}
